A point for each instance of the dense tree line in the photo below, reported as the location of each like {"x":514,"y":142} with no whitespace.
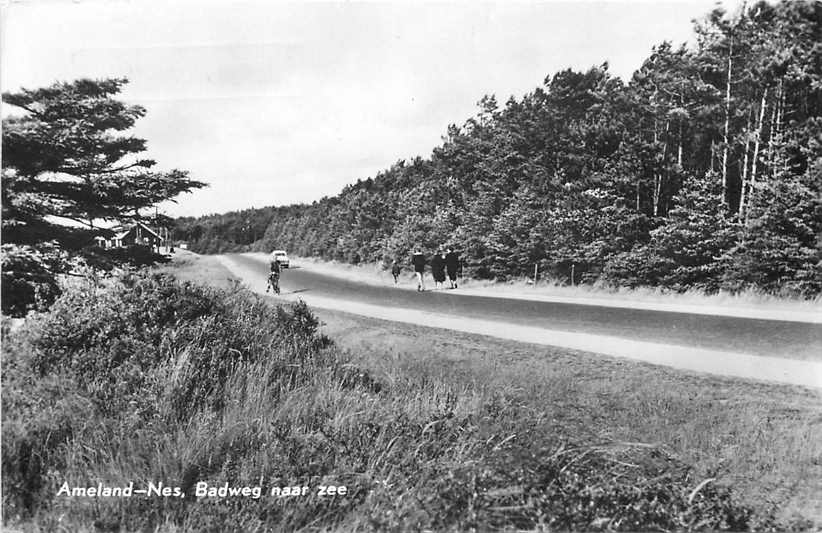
{"x":703,"y":170}
{"x":219,"y":233}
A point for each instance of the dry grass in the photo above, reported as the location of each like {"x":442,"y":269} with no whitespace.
{"x":764,"y":439}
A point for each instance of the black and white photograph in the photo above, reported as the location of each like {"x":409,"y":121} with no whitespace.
{"x":445,"y":266}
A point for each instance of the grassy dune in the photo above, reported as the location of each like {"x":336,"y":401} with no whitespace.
{"x":146,"y":378}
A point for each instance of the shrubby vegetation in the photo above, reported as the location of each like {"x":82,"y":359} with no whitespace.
{"x":143,"y":378}
{"x":703,"y":171}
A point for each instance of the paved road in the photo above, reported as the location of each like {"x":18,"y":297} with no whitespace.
{"x":795,"y":340}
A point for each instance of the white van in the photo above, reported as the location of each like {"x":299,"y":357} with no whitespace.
{"x":281,"y":257}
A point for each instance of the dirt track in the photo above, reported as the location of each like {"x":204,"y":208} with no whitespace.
{"x":729,"y":346}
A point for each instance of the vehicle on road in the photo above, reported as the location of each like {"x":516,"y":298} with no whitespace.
{"x":282,"y":257}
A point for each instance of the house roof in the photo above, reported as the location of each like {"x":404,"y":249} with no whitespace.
{"x":121,"y":231}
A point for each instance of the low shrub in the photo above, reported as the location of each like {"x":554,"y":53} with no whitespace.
{"x":29,"y":278}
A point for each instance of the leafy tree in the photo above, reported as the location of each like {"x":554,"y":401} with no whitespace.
{"x":695,"y":236}
{"x":780,"y":246}
{"x":69,"y":166}
{"x":685,"y":251}
{"x":66,"y":158}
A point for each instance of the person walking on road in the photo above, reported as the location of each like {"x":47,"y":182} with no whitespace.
{"x":438,"y":269}
{"x":395,"y":271}
{"x":418,"y":260}
{"x":452,"y":262}
{"x":274,"y":275}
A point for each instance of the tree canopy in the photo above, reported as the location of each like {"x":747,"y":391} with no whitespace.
{"x":68,"y":155}
{"x":70,"y":168}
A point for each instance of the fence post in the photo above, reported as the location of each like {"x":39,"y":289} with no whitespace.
{"x":572,"y":274}
{"x":536,"y":267}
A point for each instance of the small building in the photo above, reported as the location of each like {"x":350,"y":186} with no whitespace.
{"x":136,"y":234}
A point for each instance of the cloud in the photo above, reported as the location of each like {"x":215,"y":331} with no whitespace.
{"x":275,"y":103}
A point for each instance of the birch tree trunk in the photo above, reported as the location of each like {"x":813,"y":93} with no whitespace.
{"x":757,"y":143}
{"x":743,"y":186}
{"x":727,"y":125}
{"x":772,"y":131}
{"x":659,"y":174}
{"x":661,"y":181}
{"x":776,"y":129}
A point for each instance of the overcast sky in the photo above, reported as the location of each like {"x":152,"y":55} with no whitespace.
{"x":274,"y":103}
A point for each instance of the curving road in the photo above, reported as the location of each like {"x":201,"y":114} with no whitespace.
{"x":774,"y":338}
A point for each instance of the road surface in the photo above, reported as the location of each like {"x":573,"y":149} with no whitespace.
{"x":694,"y":341}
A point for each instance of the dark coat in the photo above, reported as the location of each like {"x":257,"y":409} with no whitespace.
{"x":438,"y":268}
{"x":452,"y":264}
{"x":418,"y":260}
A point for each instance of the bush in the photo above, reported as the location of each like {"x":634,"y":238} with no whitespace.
{"x":637,"y":268}
{"x":29,"y":278}
{"x":135,"y":256}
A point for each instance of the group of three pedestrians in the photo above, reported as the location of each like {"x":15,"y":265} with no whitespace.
{"x":443,"y":262}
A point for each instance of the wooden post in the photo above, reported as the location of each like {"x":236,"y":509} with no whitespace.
{"x":536,"y":267}
{"x":572,"y":274}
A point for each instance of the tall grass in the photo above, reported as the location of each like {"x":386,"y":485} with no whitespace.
{"x":145,"y":379}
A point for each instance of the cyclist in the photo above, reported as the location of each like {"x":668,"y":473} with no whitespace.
{"x":274,"y":275}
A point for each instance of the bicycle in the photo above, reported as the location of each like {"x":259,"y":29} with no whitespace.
{"x":273,"y":283}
